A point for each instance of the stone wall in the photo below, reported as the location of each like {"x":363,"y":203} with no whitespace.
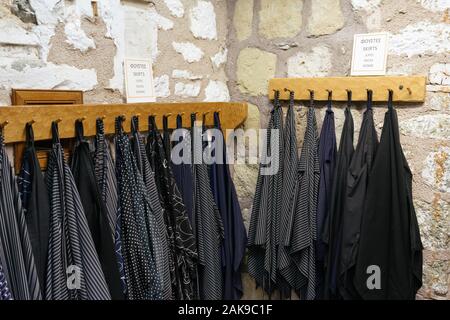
{"x":84,"y":50}
{"x":217,"y":50}
{"x":308,"y":38}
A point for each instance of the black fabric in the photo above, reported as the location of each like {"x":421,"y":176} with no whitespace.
{"x":235,"y":235}
{"x":333,"y":223}
{"x":208,"y":223}
{"x":35,"y":203}
{"x":264,"y":223}
{"x":70,"y":240}
{"x":16,"y":253}
{"x":141,"y":275}
{"x":155,"y":221}
{"x":82,"y":167}
{"x":182,"y":244}
{"x":290,"y":275}
{"x":166,"y":136}
{"x":304,"y":236}
{"x":183,"y":172}
{"x":327,"y":161}
{"x":357,"y":181}
{"x":5,"y":294}
{"x":390,"y":237}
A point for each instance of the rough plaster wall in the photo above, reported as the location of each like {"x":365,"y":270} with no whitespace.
{"x":85,"y":52}
{"x":204,"y":71}
{"x":322,"y":46}
{"x":100,"y":59}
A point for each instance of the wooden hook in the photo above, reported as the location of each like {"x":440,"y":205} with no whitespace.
{"x":4,"y":124}
{"x":31,"y":122}
{"x":82,"y":118}
{"x":58,"y":120}
{"x":409,"y":90}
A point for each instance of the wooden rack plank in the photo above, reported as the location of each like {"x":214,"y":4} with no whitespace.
{"x":231,"y":116}
{"x":406,"y":88}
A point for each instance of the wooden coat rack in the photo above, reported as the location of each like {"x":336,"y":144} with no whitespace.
{"x":231,"y":116}
{"x":16,"y":117}
{"x":405,"y":88}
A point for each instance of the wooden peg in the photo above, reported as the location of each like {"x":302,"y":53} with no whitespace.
{"x":4,"y":124}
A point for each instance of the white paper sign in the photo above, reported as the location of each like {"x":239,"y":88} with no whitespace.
{"x":369,"y":54}
{"x":139,"y":80}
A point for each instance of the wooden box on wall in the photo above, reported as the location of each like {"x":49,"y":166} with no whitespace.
{"x":43,"y":97}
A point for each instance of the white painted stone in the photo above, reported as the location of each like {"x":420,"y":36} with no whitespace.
{"x":438,"y":102}
{"x":50,"y":76}
{"x":400,"y":69}
{"x":74,"y":33}
{"x":220,"y":58}
{"x":48,"y":12}
{"x":435,"y":126}
{"x":433,"y":221}
{"x":365,"y":5}
{"x":143,"y":43}
{"x":437,"y":169}
{"x":77,"y":38}
{"x":111,"y":11}
{"x":374,"y":20}
{"x":84,"y":8}
{"x":435,"y":5}
{"x":420,"y":38}
{"x":437,"y":88}
{"x":160,"y":21}
{"x":176,"y":7}
{"x":189,"y":51}
{"x":216,"y":91}
{"x":440,"y":74}
{"x":371,"y":8}
{"x":203,"y":21}
{"x":12,"y":32}
{"x":126,"y":39}
{"x":316,"y":63}
{"x":185,"y":74}
{"x":162,"y":86}
{"x":186,"y":90}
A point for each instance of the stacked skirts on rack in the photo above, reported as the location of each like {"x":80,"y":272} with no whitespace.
{"x":347,"y":228}
{"x":136,"y":227}
{"x":129,"y":222}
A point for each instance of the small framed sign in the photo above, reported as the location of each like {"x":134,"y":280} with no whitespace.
{"x":369,"y":54}
{"x":139,"y":80}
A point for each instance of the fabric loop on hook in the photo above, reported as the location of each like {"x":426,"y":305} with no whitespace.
{"x":29,"y":135}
